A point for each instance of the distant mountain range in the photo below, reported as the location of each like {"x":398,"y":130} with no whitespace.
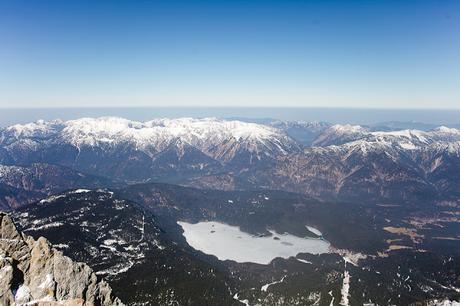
{"x":317,"y":159}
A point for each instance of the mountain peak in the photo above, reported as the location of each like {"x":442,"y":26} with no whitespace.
{"x":447,"y":130}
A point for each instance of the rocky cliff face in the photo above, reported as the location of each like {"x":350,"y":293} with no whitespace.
{"x":34,"y":273}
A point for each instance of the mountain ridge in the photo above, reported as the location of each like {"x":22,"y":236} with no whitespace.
{"x":344,"y":160}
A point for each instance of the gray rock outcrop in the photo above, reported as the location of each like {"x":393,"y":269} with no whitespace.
{"x":32,"y":272}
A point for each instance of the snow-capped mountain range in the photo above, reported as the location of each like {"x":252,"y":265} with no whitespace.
{"x":231,"y":154}
{"x":407,"y":139}
{"x":351,"y":161}
{"x":216,"y":138}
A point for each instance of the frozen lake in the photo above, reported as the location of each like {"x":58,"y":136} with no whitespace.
{"x":228,"y":242}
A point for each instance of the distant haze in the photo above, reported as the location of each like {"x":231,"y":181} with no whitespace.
{"x":332,"y":115}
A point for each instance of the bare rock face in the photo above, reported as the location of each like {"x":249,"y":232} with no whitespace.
{"x":34,"y":273}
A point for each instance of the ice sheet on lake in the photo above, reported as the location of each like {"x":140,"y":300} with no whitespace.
{"x":228,"y":242}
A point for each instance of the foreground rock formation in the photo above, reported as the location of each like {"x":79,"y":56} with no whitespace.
{"x":34,"y":273}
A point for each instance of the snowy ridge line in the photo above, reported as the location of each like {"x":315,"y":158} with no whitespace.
{"x":215,"y":137}
{"x":103,"y":128}
{"x":212,"y":136}
{"x":409,"y":139}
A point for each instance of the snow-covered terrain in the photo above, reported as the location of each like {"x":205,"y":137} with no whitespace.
{"x":405,"y":139}
{"x":206,"y":133}
{"x":152,"y":136}
{"x":228,"y":242}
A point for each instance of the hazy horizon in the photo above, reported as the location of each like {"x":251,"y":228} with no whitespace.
{"x":363,"y":116}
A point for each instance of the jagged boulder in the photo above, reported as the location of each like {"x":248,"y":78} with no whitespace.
{"x":32,"y":272}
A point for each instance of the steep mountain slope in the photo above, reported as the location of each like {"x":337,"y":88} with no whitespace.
{"x":116,"y":147}
{"x":303,"y":132}
{"x":21,"y":185}
{"x":345,"y":162}
{"x":144,"y":255}
{"x":403,"y":165}
{"x":32,"y":272}
{"x":128,"y":245}
{"x":352,"y":163}
{"x":11,"y":197}
{"x":339,"y":134}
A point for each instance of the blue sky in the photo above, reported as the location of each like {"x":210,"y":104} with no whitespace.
{"x":230,"y":53}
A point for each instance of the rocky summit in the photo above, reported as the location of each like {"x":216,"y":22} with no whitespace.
{"x":32,"y":272}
